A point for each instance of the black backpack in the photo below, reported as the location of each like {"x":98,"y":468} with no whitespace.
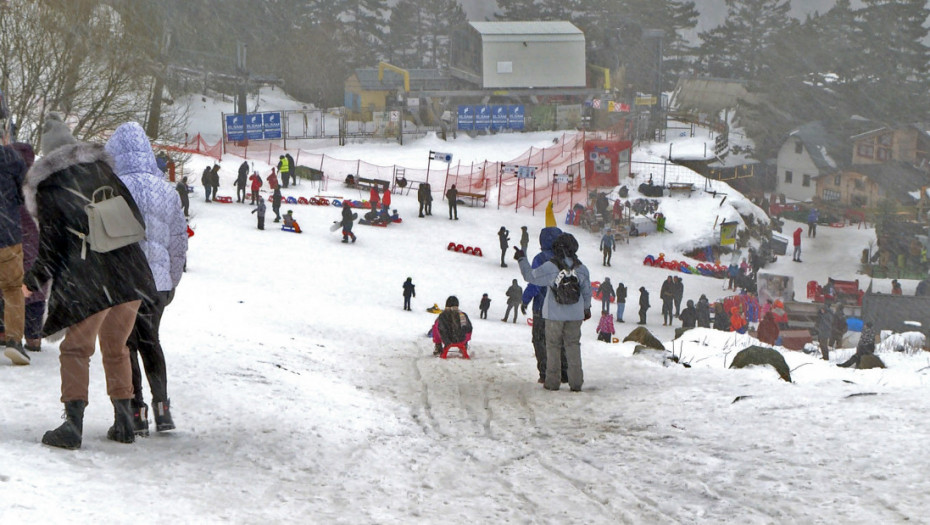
{"x":566,"y":289}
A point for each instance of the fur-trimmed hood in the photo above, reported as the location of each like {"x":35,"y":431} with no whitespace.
{"x":60,"y":159}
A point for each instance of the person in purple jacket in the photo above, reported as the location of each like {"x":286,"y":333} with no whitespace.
{"x":165,"y":248}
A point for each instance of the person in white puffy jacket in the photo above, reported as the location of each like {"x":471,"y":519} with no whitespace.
{"x":165,"y":248}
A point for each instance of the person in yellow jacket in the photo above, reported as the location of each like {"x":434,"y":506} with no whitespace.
{"x":284,"y":168}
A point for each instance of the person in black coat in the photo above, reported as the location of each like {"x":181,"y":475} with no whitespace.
{"x":504,"y":236}
{"x":293,"y":166}
{"x":242,"y":179}
{"x":95,"y":295}
{"x":688,"y":316}
{"x":181,"y":188}
{"x":453,"y":197}
{"x":721,"y":319}
{"x":667,"y":295}
{"x":275,"y":203}
{"x":215,"y":179}
{"x":12,"y":170}
{"x":347,"y":219}
{"x":621,"y":301}
{"x":702,"y":311}
{"x":485,"y":305}
{"x":643,"y":304}
{"x":206,"y":178}
{"x":409,"y":291}
{"x":425,"y":198}
{"x":678,"y":291}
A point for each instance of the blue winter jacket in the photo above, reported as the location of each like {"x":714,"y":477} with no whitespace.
{"x":165,"y":243}
{"x":534,"y":293}
{"x":12,"y":171}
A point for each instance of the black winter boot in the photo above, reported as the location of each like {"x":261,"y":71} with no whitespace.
{"x":68,"y":435}
{"x":122,"y":429}
{"x":140,"y":418}
{"x":162,"y":413}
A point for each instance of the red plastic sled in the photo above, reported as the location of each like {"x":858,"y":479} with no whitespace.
{"x":225,"y":199}
{"x":461,"y":347}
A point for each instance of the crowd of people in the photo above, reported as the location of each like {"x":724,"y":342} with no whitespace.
{"x":95,"y":289}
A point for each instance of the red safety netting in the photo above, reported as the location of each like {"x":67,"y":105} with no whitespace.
{"x":505,"y":190}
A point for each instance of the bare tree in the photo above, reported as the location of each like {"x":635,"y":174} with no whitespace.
{"x":79,"y":58}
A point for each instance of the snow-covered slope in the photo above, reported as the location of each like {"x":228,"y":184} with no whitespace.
{"x":304,"y":393}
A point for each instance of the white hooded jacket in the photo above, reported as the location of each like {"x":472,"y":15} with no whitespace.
{"x":165,"y":243}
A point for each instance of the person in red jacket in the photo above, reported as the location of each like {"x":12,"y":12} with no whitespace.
{"x":737,"y":322}
{"x":768,"y":329}
{"x":272,"y":180}
{"x":256,"y":185}
{"x":374,"y":199}
{"x":386,"y":201}
{"x":797,"y":245}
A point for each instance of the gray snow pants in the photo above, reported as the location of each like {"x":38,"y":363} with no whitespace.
{"x":565,"y":334}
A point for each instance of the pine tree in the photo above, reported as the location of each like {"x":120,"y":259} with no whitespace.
{"x":735,"y":49}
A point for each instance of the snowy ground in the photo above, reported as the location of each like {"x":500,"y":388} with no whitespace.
{"x":304,"y":393}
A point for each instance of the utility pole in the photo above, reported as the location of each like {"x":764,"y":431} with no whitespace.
{"x":161,"y":69}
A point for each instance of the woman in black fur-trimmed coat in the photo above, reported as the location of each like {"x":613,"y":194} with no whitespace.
{"x":93,"y":295}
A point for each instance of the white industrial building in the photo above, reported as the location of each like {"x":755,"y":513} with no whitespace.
{"x":535,"y":55}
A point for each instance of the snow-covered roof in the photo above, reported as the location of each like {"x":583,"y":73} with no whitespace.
{"x":539,"y":28}
{"x":818,"y":143}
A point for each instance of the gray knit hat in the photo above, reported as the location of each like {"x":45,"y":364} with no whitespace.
{"x":55,"y":133}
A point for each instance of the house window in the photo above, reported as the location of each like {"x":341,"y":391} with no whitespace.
{"x":798,"y":147}
{"x":859,"y":184}
{"x":788,"y":177}
{"x":883,"y":154}
{"x":859,"y":200}
{"x":806,"y":180}
{"x":865,"y":150}
{"x":831,"y":195}
{"x":885,"y":140}
{"x":837,"y":179}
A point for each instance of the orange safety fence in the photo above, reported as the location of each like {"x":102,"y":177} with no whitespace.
{"x":565,"y":156}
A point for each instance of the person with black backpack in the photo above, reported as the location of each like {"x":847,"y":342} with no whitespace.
{"x":566,"y":306}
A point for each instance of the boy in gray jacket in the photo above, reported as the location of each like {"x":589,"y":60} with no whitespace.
{"x":563,"y":321}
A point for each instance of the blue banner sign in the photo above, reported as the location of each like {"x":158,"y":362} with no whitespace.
{"x":271,"y":124}
{"x":482,"y":117}
{"x":235,"y":128}
{"x":499,"y":117}
{"x":466,"y":118}
{"x":253,"y":126}
{"x":516,"y":119}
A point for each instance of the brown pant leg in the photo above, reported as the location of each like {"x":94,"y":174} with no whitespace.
{"x":75,"y":350}
{"x":113,"y":334}
{"x":11,"y":285}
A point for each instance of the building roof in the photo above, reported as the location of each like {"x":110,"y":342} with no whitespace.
{"x":822,"y":146}
{"x":420,"y":79}
{"x":899,"y":180}
{"x":532,"y":31}
{"x":535,"y":27}
{"x":709,"y":95}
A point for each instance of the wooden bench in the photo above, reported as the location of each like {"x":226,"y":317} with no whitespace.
{"x":680,"y":187}
{"x":475,"y":197}
{"x":367,"y":184}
